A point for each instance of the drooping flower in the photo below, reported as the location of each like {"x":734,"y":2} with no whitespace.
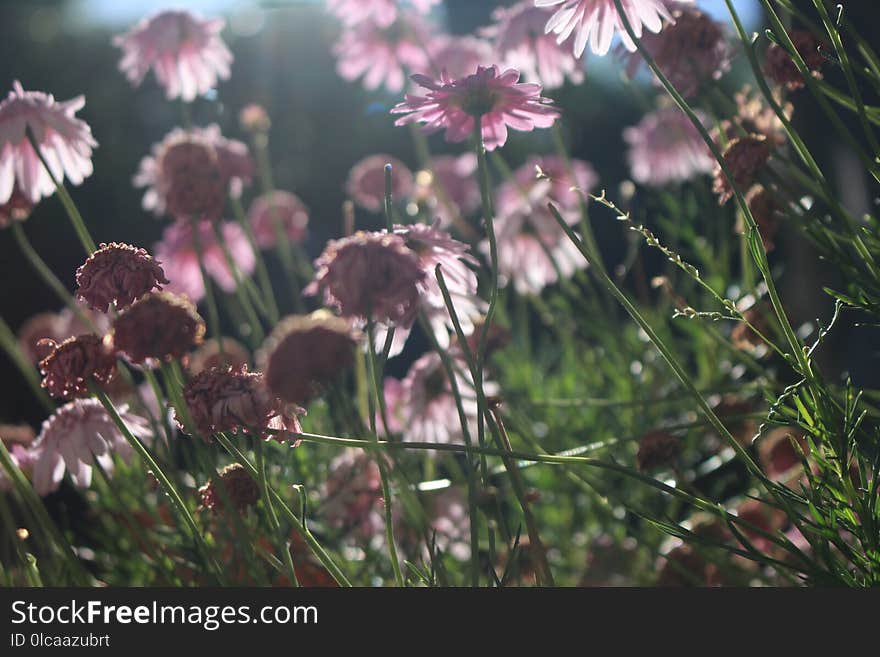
{"x":366,"y":181}
{"x":159,"y":326}
{"x":74,"y":437}
{"x":522,"y":43}
{"x":382,"y":54}
{"x":744,"y":157}
{"x":57,"y":327}
{"x":234,"y":486}
{"x":426,"y":407}
{"x":369,"y":275}
{"x":496,"y":98}
{"x":233,"y":399}
{"x":190,"y":173}
{"x":434,"y":246}
{"x":766,"y":212}
{"x":597,"y":21}
{"x":306,"y":352}
{"x":689,"y":51}
{"x":459,"y":56}
{"x":184,"y":50}
{"x":117,"y":274}
{"x":71,"y":365}
{"x":282,"y":208}
{"x":211,"y":355}
{"x":65,"y":142}
{"x":780,"y":67}
{"x":665,"y":147}
{"x":450,"y":187}
{"x":180,"y":258}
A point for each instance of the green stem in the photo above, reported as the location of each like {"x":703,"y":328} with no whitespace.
{"x":268,"y":296}
{"x":213,"y":313}
{"x":270,"y":508}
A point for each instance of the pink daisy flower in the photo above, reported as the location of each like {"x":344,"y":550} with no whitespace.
{"x":184,"y":50}
{"x":459,"y":56}
{"x":665,"y":148}
{"x":279,"y":207}
{"x":382,"y":12}
{"x":498,"y":98}
{"x":555,"y":182}
{"x":435,"y":246}
{"x":450,"y":187}
{"x":65,"y":141}
{"x":190,"y":173}
{"x":381,"y":55}
{"x":522,"y":44}
{"x":177,"y":253}
{"x":366,"y":181}
{"x":427,"y":406}
{"x":77,"y":435}
{"x":597,"y":21}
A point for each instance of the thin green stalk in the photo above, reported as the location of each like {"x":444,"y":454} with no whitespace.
{"x":169,"y":488}
{"x":270,"y":508}
{"x":257,"y":332}
{"x":268,"y":296}
{"x":69,"y":206}
{"x":211,"y":300}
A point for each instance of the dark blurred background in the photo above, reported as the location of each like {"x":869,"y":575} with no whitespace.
{"x":321,"y":125}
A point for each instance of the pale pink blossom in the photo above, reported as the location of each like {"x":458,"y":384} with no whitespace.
{"x":597,"y":21}
{"x":190,"y":172}
{"x":351,"y":497}
{"x":366,"y":181}
{"x":665,"y":148}
{"x":521,"y":42}
{"x":434,"y":246}
{"x":544,"y":178}
{"x":282,"y":208}
{"x":458,"y":56}
{"x":496,"y":98}
{"x":23,"y":458}
{"x":382,"y":55}
{"x":65,"y":142}
{"x":382,"y":12}
{"x":76,"y":436}
{"x":179,"y":257}
{"x":184,"y":50}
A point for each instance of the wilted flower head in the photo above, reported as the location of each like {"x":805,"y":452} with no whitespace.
{"x":117,"y":274}
{"x":233,"y":399}
{"x":781,"y":451}
{"x":381,"y":54}
{"x":597,"y":21}
{"x":458,"y":56}
{"x":780,"y":67}
{"x":159,"y":325}
{"x":657,"y":449}
{"x":233,"y":485}
{"x":180,"y":258}
{"x":75,"y":436}
{"x":191,"y":172}
{"x":496,"y":98}
{"x":211,"y":355}
{"x":434,"y":246}
{"x":366,"y":181}
{"x":451,"y":182}
{"x":744,"y":157}
{"x":665,"y":147}
{"x":184,"y":50}
{"x":57,"y":327}
{"x":65,"y":142}
{"x":522,"y":43}
{"x":369,"y":275}
{"x":689,"y":51}
{"x":351,"y":497}
{"x":305,"y":352}
{"x":755,"y":116}
{"x":743,"y":336}
{"x":281,"y":208}
{"x":72,"y":364}
{"x":766,"y":213}
{"x":17,"y":208}
{"x":254,"y":118}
